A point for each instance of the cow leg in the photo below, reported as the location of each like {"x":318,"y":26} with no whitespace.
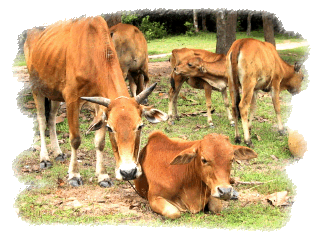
{"x":59,"y":156}
{"x":276,"y":104}
{"x":214,"y":205}
{"x":244,"y":110}
{"x":44,"y":156}
{"x":226,"y":104}
{"x":99,"y":141}
{"x":233,"y":95}
{"x":75,"y":140}
{"x":207,"y":91}
{"x":163,"y":207}
{"x":253,"y":108}
{"x":132,"y":85}
{"x":176,"y":84}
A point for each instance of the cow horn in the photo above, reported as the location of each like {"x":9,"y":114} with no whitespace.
{"x":99,"y":100}
{"x":145,"y":93}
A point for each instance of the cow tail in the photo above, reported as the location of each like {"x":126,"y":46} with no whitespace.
{"x":47,"y":108}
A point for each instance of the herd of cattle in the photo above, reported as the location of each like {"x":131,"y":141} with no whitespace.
{"x":82,"y":59}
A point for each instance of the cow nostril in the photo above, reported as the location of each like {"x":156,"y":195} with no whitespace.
{"x":225,"y":193}
{"x":220,"y":191}
{"x":129,"y":174}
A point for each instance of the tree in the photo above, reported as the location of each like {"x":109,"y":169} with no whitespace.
{"x":226,"y":30}
{"x":249,"y":23}
{"x":204,"y":21}
{"x":267,"y":19}
{"x":195,"y":21}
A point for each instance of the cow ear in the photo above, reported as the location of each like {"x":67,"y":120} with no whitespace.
{"x":97,"y":122}
{"x":244,"y":153}
{"x":185,"y":157}
{"x":154,"y":115}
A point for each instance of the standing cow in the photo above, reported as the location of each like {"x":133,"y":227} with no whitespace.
{"x":132,"y":51}
{"x":181,"y":175}
{"x":181,"y":56}
{"x":214,"y":77}
{"x":253,"y":65}
{"x":76,"y":59}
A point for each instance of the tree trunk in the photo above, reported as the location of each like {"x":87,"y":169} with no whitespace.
{"x":249,"y":23}
{"x":226,"y":30}
{"x":268,"y":28}
{"x":195,"y":21}
{"x":204,"y":22}
{"x":221,"y":31}
{"x":231,"y":29}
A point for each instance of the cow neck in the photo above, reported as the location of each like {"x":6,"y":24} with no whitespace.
{"x":115,"y":86}
{"x":216,"y":69}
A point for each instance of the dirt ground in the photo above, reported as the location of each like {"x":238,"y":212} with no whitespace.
{"x":94,"y":200}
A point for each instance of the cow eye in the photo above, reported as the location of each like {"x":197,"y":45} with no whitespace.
{"x":204,"y":161}
{"x":189,"y":64}
{"x":140,"y":127}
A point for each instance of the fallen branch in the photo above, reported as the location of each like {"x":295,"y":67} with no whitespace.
{"x":249,"y":183}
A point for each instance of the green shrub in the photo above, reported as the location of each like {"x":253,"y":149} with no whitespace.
{"x":152,"y":30}
{"x":129,"y":18}
{"x":190,"y":28}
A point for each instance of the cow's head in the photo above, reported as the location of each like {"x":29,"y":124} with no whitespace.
{"x":122,"y":118}
{"x":192,"y":67}
{"x":213,"y":156}
{"x":293,"y":83}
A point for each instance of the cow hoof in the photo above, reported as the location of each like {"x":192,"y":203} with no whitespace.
{"x":211,"y":125}
{"x":106,"y":183}
{"x":232,"y":124}
{"x":170,"y":122}
{"x":45,"y":164}
{"x":61,"y":157}
{"x":237,"y":139}
{"x":75,"y":182}
{"x":249,"y":143}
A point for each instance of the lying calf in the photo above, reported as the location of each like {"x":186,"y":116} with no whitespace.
{"x":183,"y":175}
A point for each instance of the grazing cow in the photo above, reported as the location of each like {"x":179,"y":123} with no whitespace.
{"x":132,"y":51}
{"x":74,"y":60}
{"x":178,"y":57}
{"x":181,"y":175}
{"x":214,"y":76}
{"x":254,"y":65}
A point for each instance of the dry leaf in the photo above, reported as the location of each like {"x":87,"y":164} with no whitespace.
{"x":30,"y":105}
{"x":274,"y":158}
{"x":60,"y":182}
{"x":278,"y":198}
{"x":60,"y":119}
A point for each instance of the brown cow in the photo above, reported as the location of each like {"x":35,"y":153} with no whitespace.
{"x":132,"y":51}
{"x":76,"y":59}
{"x":181,"y":175}
{"x":215,"y":76}
{"x":254,"y":65}
{"x":180,"y":56}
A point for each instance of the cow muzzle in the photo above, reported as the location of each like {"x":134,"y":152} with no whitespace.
{"x":128,"y":172}
{"x":224,"y":193}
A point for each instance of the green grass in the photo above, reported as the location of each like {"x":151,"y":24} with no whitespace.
{"x":35,"y":208}
{"x":202,"y":40}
